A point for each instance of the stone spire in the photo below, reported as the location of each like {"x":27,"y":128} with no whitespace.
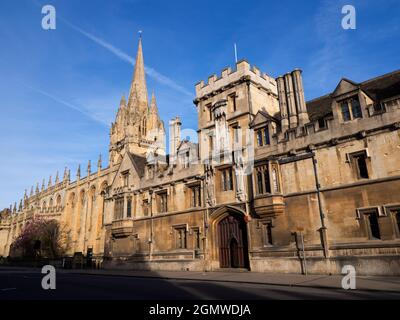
{"x":153,"y":104}
{"x":57,"y":178}
{"x":138,"y":98}
{"x":43,"y":185}
{"x":20,"y":206}
{"x":78,"y":173}
{"x":49,"y":184}
{"x":37,"y":188}
{"x":31,"y":193}
{"x":65,"y":176}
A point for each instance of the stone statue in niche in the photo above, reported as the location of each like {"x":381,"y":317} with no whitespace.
{"x":209,"y":186}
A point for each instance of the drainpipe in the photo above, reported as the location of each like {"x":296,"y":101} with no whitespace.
{"x":323,"y":229}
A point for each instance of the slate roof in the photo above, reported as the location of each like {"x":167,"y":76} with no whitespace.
{"x":139,"y":162}
{"x":378,"y":88}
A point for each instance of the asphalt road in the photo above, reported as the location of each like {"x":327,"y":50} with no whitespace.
{"x":26,"y":284}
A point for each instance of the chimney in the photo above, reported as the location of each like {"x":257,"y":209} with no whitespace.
{"x":282,"y":103}
{"x":299,"y":97}
{"x":290,"y":100}
{"x":174,"y":138}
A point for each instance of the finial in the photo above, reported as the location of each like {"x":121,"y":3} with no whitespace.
{"x":15,"y":207}
{"x":140,"y":34}
{"x":99,"y":163}
{"x":49,"y":184}
{"x":31,"y":193}
{"x":78,"y":173}
{"x":43,"y":184}
{"x":20,"y":206}
{"x":25,"y":194}
{"x":57,"y":178}
{"x":37,"y":187}
{"x":89,"y":167}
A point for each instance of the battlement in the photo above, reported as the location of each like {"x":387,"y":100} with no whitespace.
{"x":228,"y":76}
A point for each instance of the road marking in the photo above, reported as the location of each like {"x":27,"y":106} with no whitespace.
{"x":8,"y":289}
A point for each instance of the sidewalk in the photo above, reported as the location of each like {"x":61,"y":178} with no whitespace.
{"x":375,"y":283}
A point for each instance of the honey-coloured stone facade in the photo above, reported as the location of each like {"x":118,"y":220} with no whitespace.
{"x":274,"y":184}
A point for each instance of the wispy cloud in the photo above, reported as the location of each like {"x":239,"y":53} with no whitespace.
{"x":151,"y":72}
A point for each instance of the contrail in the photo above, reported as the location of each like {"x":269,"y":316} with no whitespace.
{"x":125,"y":57}
{"x":66,"y":103}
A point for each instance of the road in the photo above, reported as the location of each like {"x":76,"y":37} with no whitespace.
{"x":26,"y":284}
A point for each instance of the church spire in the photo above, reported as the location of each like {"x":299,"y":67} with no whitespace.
{"x":138,"y":93}
{"x":153,"y":104}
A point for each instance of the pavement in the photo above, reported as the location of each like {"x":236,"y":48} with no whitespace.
{"x":376,"y":283}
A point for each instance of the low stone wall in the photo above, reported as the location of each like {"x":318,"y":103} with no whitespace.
{"x":155,"y":265}
{"x":365,"y":265}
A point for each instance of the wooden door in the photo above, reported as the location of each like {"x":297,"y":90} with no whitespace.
{"x":232,"y":240}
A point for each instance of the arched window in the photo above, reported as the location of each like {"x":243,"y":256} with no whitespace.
{"x":44,"y":206}
{"x":58,"y":201}
{"x":93,"y":194}
{"x":82,"y":197}
{"x":51,"y":204}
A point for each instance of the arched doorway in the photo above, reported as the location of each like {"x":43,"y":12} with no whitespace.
{"x":232,"y":242}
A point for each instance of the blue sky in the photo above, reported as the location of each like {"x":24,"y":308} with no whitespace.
{"x":60,"y":89}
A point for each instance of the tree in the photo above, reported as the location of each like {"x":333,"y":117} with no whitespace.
{"x":40,"y":238}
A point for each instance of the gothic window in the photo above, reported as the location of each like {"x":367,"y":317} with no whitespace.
{"x":262,"y":180}
{"x":321,"y":123}
{"x":197,"y":238}
{"x":129,"y":208}
{"x":119,"y":209}
{"x":125,"y":178}
{"x":372,"y":223}
{"x":351,"y":109}
{"x":51,"y":204}
{"x":346,"y":111}
{"x":146,"y":208}
{"x":263,"y":138}
{"x":356,"y":108}
{"x":162,"y":202}
{"x":44,"y":206}
{"x":226,"y":179}
{"x":58,"y":201}
{"x":195,"y":196}
{"x":267,"y":233}
{"x":259,"y":183}
{"x":359,"y":162}
{"x":180,"y":238}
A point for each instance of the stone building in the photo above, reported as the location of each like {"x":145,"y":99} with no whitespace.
{"x":274,"y":184}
